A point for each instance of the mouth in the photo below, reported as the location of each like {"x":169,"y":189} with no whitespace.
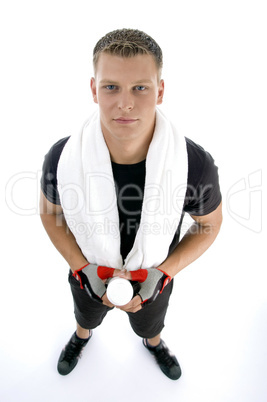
{"x":125,"y":120}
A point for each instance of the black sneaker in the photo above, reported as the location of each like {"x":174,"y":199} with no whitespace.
{"x":166,"y":361}
{"x":70,"y":354}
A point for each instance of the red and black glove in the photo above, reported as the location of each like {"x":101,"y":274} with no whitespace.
{"x":152,"y":282}
{"x":91,"y":279}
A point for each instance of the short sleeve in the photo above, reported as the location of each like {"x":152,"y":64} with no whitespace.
{"x":49,"y":172}
{"x":203,"y":194}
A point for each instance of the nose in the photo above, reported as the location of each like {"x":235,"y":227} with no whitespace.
{"x":125,"y":101}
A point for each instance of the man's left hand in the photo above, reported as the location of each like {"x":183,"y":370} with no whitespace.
{"x":133,"y":306}
{"x":152,"y":282}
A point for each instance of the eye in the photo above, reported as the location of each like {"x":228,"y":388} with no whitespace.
{"x":110,"y":87}
{"x":140,"y":88}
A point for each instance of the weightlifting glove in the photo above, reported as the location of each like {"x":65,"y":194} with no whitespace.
{"x":152,"y":282}
{"x":91,"y":278}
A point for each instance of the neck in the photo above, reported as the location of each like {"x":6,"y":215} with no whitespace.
{"x":128,"y":152}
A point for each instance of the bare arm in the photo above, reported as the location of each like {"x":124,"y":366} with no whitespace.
{"x":196,"y":241}
{"x":56,"y":227}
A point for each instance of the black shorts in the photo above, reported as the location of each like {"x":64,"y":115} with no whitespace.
{"x":146,"y":323}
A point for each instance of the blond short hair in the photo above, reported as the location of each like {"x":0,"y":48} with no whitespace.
{"x":128,"y":43}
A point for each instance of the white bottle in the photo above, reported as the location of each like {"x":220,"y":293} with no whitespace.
{"x":119,"y":291}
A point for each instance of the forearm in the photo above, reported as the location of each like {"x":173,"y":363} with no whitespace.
{"x":195,"y":242}
{"x":63,"y":240}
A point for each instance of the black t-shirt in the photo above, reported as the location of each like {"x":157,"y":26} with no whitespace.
{"x":202,"y":196}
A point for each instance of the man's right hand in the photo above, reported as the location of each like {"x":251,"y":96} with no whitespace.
{"x":106,"y":301}
{"x":91,"y":278}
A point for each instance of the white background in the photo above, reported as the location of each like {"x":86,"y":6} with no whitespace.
{"x":215,"y":77}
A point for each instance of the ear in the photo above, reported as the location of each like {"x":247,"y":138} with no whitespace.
{"x":160,"y":92}
{"x":93,"y":89}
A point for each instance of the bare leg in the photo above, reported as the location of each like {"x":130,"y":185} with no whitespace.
{"x":82,"y":332}
{"x":154,"y":341}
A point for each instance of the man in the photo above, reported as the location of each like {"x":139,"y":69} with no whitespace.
{"x":157,"y":176}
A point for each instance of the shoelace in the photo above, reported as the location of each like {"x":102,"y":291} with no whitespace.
{"x":163,"y":357}
{"x":73,"y":350}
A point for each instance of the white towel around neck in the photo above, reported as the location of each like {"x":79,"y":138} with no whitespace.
{"x":88,"y":196}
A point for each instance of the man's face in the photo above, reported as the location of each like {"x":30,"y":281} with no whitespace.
{"x":127,"y":91}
